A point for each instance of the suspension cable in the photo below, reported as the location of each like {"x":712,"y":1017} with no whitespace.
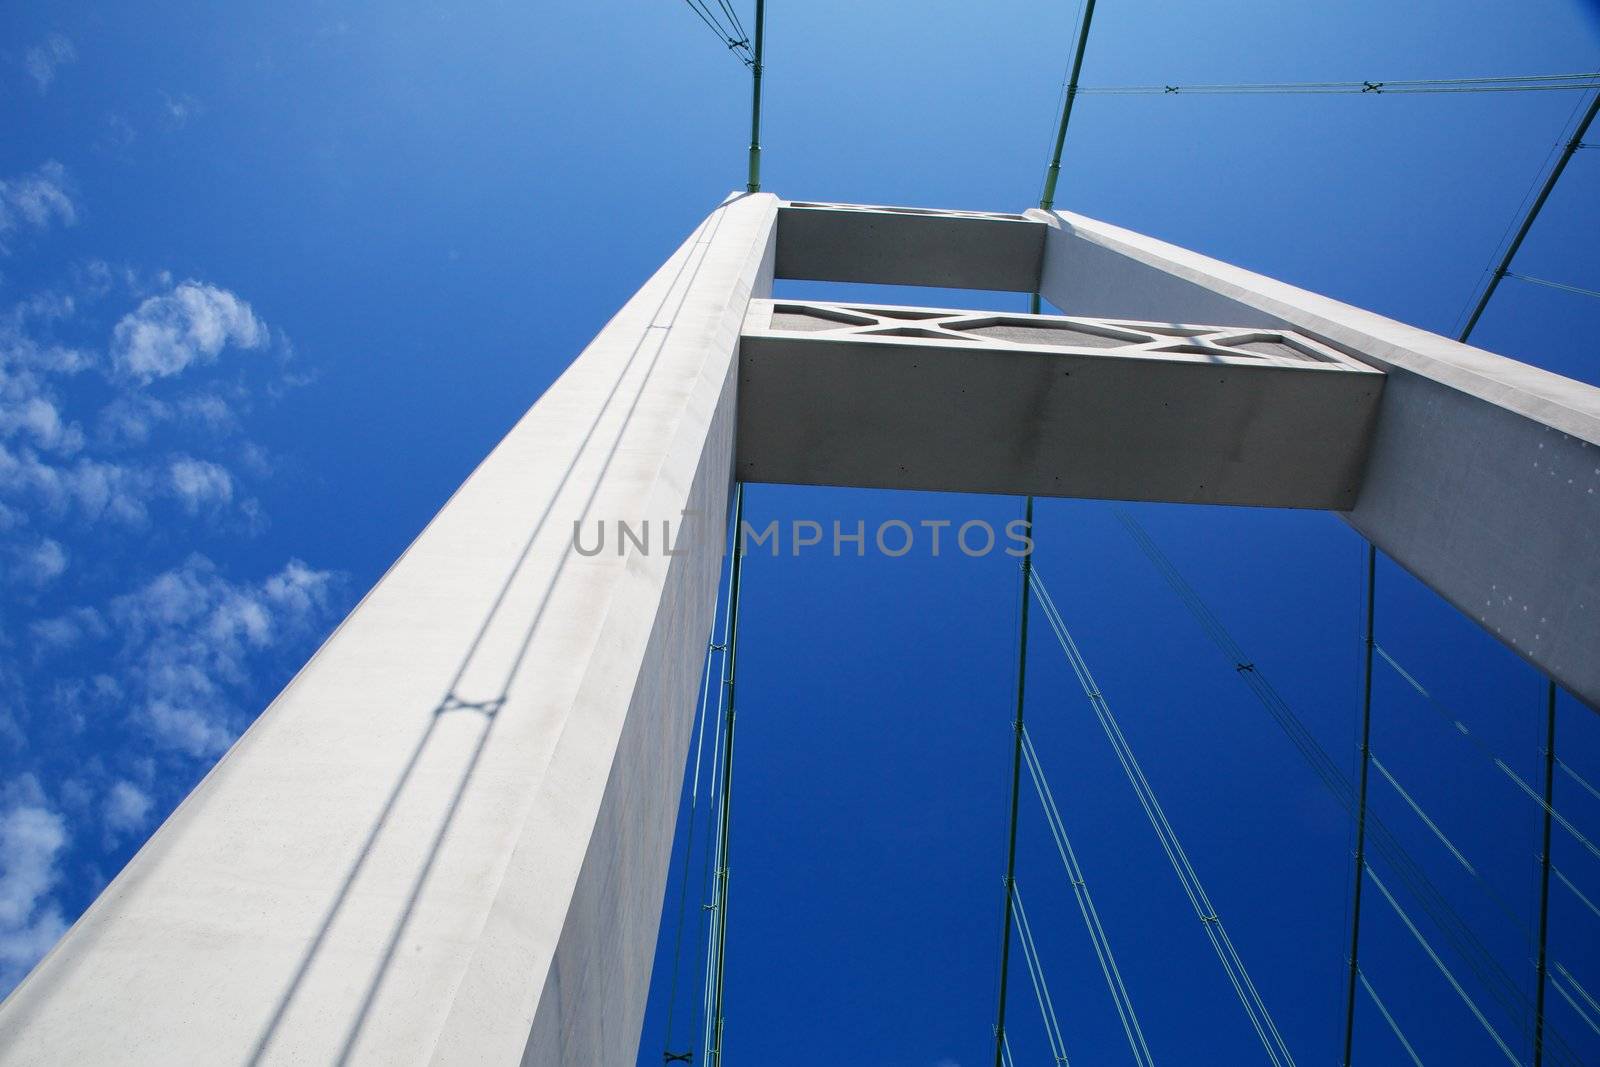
{"x":1048,"y":198}
{"x":1563,"y":286}
{"x":716,"y":1017}
{"x":1394,"y":1026}
{"x":1566,"y":768}
{"x":737,"y":42}
{"x":1016,"y":789}
{"x":712,"y":863}
{"x":713,"y":646}
{"x":1461,"y":728}
{"x":1575,"y":890}
{"x":1361,"y":808}
{"x":1508,"y":993}
{"x":1255,"y":1008}
{"x":1439,"y":963}
{"x":1047,"y":1007}
{"x":1504,"y":265}
{"x":1577,"y":1009}
{"x":1511,"y":84}
{"x":1542,"y":967}
{"x":757,"y":65}
{"x":1091,"y":915}
{"x":1582,"y":992}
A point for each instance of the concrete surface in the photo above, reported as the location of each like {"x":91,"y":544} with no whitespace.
{"x":908,"y":246}
{"x":918,"y":398}
{"x":446,"y":841}
{"x":1484,"y":475}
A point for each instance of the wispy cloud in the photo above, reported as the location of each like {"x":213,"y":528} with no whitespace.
{"x":180,"y":109}
{"x":191,"y":324}
{"x":37,"y":199}
{"x":32,"y":838}
{"x":191,"y":635}
{"x":127,"y":808}
{"x":200,"y":484}
{"x":37,"y":564}
{"x":45,"y":58}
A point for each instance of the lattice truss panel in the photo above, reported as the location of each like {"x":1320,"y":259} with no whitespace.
{"x":1113,"y":337}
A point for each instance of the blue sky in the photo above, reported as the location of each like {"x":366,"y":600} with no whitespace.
{"x":273,"y":279}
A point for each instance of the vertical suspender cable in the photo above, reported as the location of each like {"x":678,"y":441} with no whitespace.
{"x":1016,"y":790}
{"x":1504,"y":266}
{"x":1500,"y":271}
{"x":1544,"y":870}
{"x":714,"y":1022}
{"x":1361,"y":809}
{"x":1048,"y":199}
{"x":754,"y":183}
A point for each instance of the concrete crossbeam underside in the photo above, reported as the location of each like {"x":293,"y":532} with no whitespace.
{"x":446,"y":841}
{"x":1154,"y":411}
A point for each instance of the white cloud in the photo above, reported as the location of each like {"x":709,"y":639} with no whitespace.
{"x":32,"y":837}
{"x":37,"y":199}
{"x":24,"y":408}
{"x":62,"y":632}
{"x":127,"y":807}
{"x":181,"y":108}
{"x":191,"y":324}
{"x":200,"y":483}
{"x":38,"y":564}
{"x":191,"y":637}
{"x":93,"y":488}
{"x":44,"y":58}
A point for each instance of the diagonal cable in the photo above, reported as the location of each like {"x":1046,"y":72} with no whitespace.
{"x":1255,"y":1008}
{"x":1394,"y":1026}
{"x":1507,"y":992}
{"x":1091,"y":916}
{"x":1047,"y":1007}
{"x":1439,"y":963}
{"x":1461,"y":728}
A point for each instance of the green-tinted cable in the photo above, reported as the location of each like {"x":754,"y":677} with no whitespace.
{"x":716,"y":1018}
{"x":1361,"y":808}
{"x":1016,"y":791}
{"x":754,"y":183}
{"x":1048,"y":199}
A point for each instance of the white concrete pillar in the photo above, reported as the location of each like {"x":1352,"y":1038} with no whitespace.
{"x":446,"y":840}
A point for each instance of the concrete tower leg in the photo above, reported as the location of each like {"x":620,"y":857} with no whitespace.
{"x":446,"y":840}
